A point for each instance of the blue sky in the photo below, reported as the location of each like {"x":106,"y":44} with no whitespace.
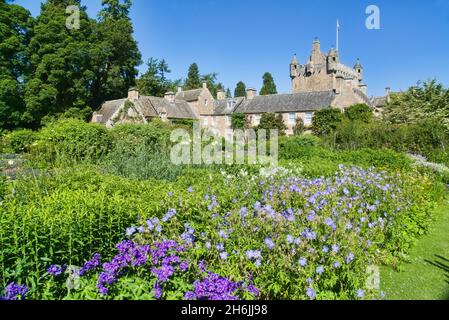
{"x":242,"y":39}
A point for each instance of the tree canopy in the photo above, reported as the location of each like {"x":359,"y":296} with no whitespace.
{"x":269,"y":87}
{"x":240,"y":90}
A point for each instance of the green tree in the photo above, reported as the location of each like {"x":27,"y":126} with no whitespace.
{"x":115,"y":54}
{"x":359,"y":112}
{"x":325,"y":121}
{"x":239,"y":121}
{"x":423,"y":101}
{"x":154,"y":81}
{"x":228,"y":93}
{"x":240,"y":90}
{"x":269,"y":87}
{"x":15,"y":29}
{"x":193,"y":78}
{"x":61,"y":63}
{"x":272,"y":121}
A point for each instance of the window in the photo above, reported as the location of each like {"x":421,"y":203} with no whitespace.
{"x":205,"y":102}
{"x":256,"y":119}
{"x":308,"y":118}
{"x":205,"y":121}
{"x":292,"y":118}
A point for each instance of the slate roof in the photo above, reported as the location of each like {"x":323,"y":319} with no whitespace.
{"x":108,"y":109}
{"x":379,"y":102}
{"x":222,"y":107}
{"x":189,"y":95}
{"x":297,"y":102}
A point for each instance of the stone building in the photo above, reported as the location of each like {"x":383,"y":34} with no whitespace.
{"x":322,"y":82}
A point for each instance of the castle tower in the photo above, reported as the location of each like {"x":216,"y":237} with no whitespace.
{"x":359,"y":69}
{"x":294,"y":67}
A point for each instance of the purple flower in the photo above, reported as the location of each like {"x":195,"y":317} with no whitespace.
{"x":290,"y":239}
{"x":320,"y":270}
{"x":130,"y":231}
{"x":223,"y":255}
{"x":157,"y":291}
{"x":189,"y":296}
{"x":302,"y":262}
{"x":15,"y":291}
{"x":335,"y":248}
{"x":184,"y":266}
{"x":349,"y":258}
{"x":336,"y":264}
{"x":91,"y":264}
{"x":360,"y":293}
{"x":311,"y":293}
{"x":54,"y":270}
{"x":190,"y":190}
{"x":269,"y":243}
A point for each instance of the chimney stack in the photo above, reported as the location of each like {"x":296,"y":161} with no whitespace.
{"x":133,"y":94}
{"x":251,"y":93}
{"x":179,"y":89}
{"x":170,"y":97}
{"x":221,"y":94}
{"x":387,"y":91}
{"x":204,"y":85}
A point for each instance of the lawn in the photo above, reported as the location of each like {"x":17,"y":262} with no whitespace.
{"x":426,"y":275}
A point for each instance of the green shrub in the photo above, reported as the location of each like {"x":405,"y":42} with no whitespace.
{"x":142,"y":162}
{"x":18,"y":141}
{"x":359,"y":112}
{"x":153,"y":136}
{"x":68,"y":215}
{"x":272,"y":121}
{"x":325,"y":121}
{"x":71,"y":141}
{"x":299,"y":126}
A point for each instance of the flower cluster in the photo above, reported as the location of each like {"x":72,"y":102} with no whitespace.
{"x":14,"y":291}
{"x":215,"y":287}
{"x":130,"y":255}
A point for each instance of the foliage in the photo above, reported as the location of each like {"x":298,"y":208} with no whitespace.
{"x":19,"y":141}
{"x":15,"y":29}
{"x":299,"y":126}
{"x":427,"y":137}
{"x":240,"y":90}
{"x":272,"y":121}
{"x":268,"y":87}
{"x":359,"y":112}
{"x":154,"y":82}
{"x":428,"y":100}
{"x":325,"y":121}
{"x":71,"y":140}
{"x":312,"y":238}
{"x":193,"y":78}
{"x":141,"y":162}
{"x":239,"y":121}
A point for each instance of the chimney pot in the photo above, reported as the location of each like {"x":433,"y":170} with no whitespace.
{"x":251,"y":93}
{"x":204,"y":85}
{"x":221,"y":95}
{"x":133,"y":94}
{"x":170,"y":96}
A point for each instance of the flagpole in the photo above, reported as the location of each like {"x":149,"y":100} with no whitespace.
{"x":338,"y":30}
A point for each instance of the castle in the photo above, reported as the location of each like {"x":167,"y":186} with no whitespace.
{"x":322,"y":82}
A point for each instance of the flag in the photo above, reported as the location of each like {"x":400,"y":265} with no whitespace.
{"x":338,"y":25}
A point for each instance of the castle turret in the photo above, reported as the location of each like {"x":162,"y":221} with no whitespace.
{"x":333,"y":58}
{"x":359,"y":70}
{"x":294,"y":67}
{"x":316,"y":45}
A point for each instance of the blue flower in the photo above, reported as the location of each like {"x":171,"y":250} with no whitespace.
{"x":360,"y":293}
{"x":130,"y":231}
{"x":302,"y":262}
{"x":311,"y":293}
{"x":223,"y":255}
{"x":320,"y":270}
{"x":269,"y":243}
